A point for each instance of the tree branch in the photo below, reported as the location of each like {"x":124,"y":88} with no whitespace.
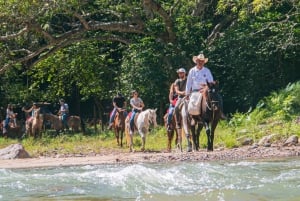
{"x":12,"y":36}
{"x":82,"y":20}
{"x":218,"y":28}
{"x":50,"y":49}
{"x":155,"y":7}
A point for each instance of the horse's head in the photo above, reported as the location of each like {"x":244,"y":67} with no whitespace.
{"x":120,"y":118}
{"x":152,"y":117}
{"x":212,"y":93}
{"x":36,"y":113}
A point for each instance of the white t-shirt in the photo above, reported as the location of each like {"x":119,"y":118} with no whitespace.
{"x":9,"y":113}
{"x":64,"y":109}
{"x":136,"y":102}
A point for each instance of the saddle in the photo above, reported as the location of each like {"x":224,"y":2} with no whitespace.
{"x":195,"y":103}
{"x":135,"y":118}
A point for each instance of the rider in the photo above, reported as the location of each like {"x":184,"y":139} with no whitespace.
{"x":198,"y":77}
{"x":64,"y":112}
{"x":119,"y":102}
{"x":137,"y":105}
{"x":172,"y":99}
{"x":32,"y":110}
{"x":180,"y":85}
{"x":10,"y":115}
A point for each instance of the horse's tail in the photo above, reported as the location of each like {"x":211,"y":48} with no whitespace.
{"x":82,"y":124}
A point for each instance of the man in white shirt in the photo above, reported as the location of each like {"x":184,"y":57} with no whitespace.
{"x":198,"y":77}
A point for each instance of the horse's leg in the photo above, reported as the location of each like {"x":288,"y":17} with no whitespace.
{"x":143,"y":143}
{"x":121,"y":136}
{"x":142,"y":131}
{"x":170,"y":134}
{"x":194,"y":137}
{"x":186,"y":127}
{"x":199,"y":128}
{"x":212,"y":134}
{"x":117,"y":135}
{"x":131,"y":142}
{"x":209,"y":138}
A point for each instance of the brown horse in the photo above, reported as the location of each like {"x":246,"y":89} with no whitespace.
{"x":34,"y":124}
{"x":170,"y":133}
{"x":13,"y":131}
{"x":74,"y":122}
{"x":210,"y":114}
{"x":119,"y":126}
{"x":37,"y":123}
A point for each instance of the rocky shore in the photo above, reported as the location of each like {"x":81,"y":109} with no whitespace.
{"x":249,"y":152}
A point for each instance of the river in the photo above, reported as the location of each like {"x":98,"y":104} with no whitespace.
{"x":259,"y":180}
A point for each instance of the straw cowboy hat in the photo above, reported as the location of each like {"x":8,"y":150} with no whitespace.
{"x":200,"y":57}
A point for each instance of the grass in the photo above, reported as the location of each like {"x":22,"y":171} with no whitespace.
{"x":156,"y":140}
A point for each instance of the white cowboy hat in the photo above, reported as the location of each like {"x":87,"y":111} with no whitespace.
{"x":200,"y":57}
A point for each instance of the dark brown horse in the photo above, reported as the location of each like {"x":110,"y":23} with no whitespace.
{"x":210,"y":114}
{"x":119,"y":126}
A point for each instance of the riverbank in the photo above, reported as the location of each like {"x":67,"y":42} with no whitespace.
{"x":115,"y":156}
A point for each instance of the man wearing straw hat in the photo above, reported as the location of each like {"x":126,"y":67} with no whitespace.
{"x":198,"y":77}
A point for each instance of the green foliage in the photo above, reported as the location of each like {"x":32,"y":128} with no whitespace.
{"x":81,"y":66}
{"x":274,"y":114}
{"x":143,"y":69}
{"x":257,"y":54}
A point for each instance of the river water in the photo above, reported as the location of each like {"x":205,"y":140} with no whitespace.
{"x":185,"y":181}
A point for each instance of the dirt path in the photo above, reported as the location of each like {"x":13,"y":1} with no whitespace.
{"x":117,"y":157}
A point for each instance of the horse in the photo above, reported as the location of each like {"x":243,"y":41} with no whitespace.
{"x":13,"y":131}
{"x":170,"y":133}
{"x":37,"y":123}
{"x":119,"y":126}
{"x":74,"y":122}
{"x":210,"y":114}
{"x":34,"y":124}
{"x":142,"y":122}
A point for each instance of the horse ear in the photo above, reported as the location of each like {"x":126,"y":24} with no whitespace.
{"x":155,"y":109}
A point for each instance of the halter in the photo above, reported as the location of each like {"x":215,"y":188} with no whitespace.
{"x":151,"y":117}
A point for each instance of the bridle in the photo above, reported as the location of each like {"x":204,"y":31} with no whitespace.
{"x":212,"y":103}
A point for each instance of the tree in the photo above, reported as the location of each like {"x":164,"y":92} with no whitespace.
{"x":120,"y":41}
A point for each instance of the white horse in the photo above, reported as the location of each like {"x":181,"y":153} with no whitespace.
{"x":186,"y":122}
{"x":142,"y":122}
